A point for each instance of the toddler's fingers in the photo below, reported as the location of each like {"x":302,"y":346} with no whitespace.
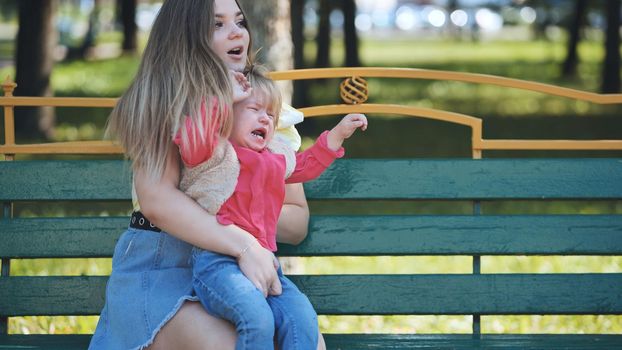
{"x":235,"y":75}
{"x":362,"y":124}
{"x":363,"y":119}
{"x":241,"y":79}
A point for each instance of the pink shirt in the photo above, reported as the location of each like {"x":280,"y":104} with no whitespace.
{"x":256,"y":203}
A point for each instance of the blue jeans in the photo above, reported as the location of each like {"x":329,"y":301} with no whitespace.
{"x":225,"y":292}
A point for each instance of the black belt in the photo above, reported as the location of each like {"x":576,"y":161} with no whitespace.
{"x":139,"y":221}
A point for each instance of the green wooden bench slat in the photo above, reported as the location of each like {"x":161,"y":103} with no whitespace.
{"x":468,"y":341}
{"x":373,"y":341}
{"x":45,"y":342}
{"x":350,"y":179}
{"x":52,"y":295}
{"x":464,"y":294}
{"x":467,"y":179}
{"x":365,"y":294}
{"x":65,"y":180}
{"x":353,"y":235}
{"x":60,"y":237}
{"x":461,"y":235}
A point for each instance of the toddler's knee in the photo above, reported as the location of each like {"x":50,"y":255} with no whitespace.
{"x":303,"y":319}
{"x":258,"y":321}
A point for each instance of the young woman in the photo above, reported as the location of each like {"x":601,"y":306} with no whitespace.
{"x":149,"y":297}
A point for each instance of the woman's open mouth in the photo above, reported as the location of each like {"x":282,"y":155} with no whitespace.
{"x":236,"y":51}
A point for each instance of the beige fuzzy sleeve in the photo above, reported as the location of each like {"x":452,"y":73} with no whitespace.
{"x":212,"y":182}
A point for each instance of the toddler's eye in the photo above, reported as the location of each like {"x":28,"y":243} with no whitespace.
{"x":242,"y":23}
{"x":218,"y":24}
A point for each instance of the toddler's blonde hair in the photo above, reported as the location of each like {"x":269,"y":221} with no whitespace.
{"x":257,"y":76}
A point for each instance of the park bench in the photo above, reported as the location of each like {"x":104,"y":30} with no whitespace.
{"x":476,"y":181}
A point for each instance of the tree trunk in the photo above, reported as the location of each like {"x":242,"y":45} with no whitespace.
{"x":36,"y":39}
{"x":269,"y":21}
{"x":351,"y":39}
{"x":322,"y":58}
{"x":88,"y":42}
{"x":611,"y":66}
{"x":128,"y":20}
{"x":300,"y":97}
{"x":569,"y":67}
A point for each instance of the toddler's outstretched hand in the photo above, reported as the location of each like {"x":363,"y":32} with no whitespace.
{"x":241,"y":86}
{"x":345,"y":129}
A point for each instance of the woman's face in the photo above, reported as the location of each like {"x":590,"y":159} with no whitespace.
{"x":231,"y":38}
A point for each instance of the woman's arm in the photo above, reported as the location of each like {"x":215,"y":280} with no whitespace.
{"x":294,"y":219}
{"x":174,"y":212}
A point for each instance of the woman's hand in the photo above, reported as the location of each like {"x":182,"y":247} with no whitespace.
{"x":259,"y":265}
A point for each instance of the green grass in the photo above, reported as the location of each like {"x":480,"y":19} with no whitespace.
{"x":106,"y":78}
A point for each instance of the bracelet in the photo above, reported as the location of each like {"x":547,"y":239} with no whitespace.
{"x":244,"y":250}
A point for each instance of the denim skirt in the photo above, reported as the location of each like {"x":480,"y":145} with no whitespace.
{"x":151,"y":278}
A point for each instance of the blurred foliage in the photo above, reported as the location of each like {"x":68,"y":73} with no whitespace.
{"x":8,"y":10}
{"x":519,"y":114}
{"x":102,"y":78}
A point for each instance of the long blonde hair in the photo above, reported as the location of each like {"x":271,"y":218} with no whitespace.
{"x":178,"y":73}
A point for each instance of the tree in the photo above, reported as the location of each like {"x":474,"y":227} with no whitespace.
{"x":322,"y":58}
{"x":88,"y":42}
{"x":34,"y":59}
{"x":270,"y":24}
{"x":300,"y":97}
{"x":569,"y":67}
{"x":8,"y":8}
{"x":126,"y":12}
{"x":351,"y":39}
{"x":611,"y":66}
{"x":543,"y":19}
